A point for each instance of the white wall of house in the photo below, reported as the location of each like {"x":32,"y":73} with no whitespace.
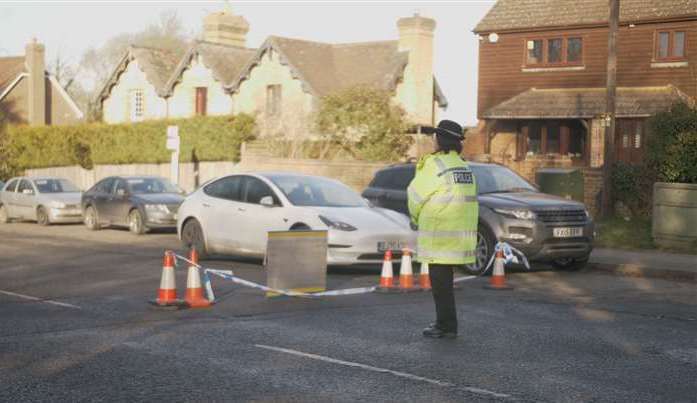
{"x":118,"y":107}
{"x":295,"y":107}
{"x":182,"y":103}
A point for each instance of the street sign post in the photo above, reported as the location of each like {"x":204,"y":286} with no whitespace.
{"x":173,"y":145}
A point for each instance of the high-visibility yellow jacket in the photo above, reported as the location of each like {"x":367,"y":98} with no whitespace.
{"x":442,"y":200}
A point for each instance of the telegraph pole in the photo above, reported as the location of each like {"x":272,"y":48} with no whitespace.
{"x":609,"y":154}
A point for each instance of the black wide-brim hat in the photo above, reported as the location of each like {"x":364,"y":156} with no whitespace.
{"x":445,"y":128}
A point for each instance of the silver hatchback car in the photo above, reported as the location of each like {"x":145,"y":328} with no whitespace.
{"x":44,"y":200}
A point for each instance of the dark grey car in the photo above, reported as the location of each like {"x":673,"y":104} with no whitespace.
{"x":544,"y":227}
{"x":138,"y":202}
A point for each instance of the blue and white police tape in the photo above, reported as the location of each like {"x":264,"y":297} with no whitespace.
{"x":509,"y":255}
{"x":230,"y":275}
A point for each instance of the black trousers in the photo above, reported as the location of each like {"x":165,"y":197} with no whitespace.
{"x":442,"y":288}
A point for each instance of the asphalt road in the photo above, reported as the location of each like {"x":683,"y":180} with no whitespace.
{"x":89,"y":333}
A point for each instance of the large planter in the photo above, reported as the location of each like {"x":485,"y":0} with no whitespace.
{"x":675,"y":215}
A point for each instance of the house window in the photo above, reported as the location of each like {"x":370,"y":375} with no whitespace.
{"x":534,"y":51}
{"x":574,"y":50}
{"x":670,"y":45}
{"x":137,"y":105}
{"x":273,"y":100}
{"x":567,"y":138}
{"x":201,"y":101}
{"x":554,"y":51}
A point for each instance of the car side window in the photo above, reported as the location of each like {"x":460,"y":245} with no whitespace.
{"x":120,"y":187}
{"x":400,"y":178}
{"x":228,"y":188}
{"x":256,"y":189}
{"x":105,"y":186}
{"x":25,"y":185}
{"x":12,"y":186}
{"x":380,"y":180}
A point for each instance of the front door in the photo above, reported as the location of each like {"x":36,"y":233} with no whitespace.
{"x":220,"y":209}
{"x":118,"y":203}
{"x":629,"y":141}
{"x":24,"y":200}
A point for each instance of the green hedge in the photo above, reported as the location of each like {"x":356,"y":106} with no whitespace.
{"x":672,"y":145}
{"x":202,"y":138}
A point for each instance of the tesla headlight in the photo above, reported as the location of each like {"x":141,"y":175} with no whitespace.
{"x":57,"y":204}
{"x":521,"y":214}
{"x":156,"y":208}
{"x":341,"y":226}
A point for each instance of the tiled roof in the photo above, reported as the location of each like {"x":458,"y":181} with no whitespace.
{"x":585,"y":103}
{"x":157,"y":64}
{"x":10,"y":68}
{"x":532,"y":14}
{"x":326,"y":68}
{"x":226,"y":62}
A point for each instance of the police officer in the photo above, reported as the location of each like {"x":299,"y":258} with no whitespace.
{"x":443,"y":205}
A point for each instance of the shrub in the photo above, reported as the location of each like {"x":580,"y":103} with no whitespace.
{"x":366,"y":123}
{"x":633,"y":186}
{"x":671,"y":149}
{"x":203,"y":138}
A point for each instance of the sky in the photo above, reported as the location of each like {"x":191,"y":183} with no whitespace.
{"x":71,"y":27}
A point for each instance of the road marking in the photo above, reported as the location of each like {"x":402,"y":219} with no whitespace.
{"x":386,"y":371}
{"x":48,"y":301}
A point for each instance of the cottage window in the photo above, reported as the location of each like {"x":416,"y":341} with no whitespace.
{"x":273,"y":100}
{"x":201,"y":101}
{"x":137,"y":105}
{"x":670,"y":45}
{"x":554,"y":51}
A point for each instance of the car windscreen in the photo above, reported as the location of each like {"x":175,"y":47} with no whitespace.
{"x":55,"y":186}
{"x":498,"y":179}
{"x":317,"y":192}
{"x":150,"y":185}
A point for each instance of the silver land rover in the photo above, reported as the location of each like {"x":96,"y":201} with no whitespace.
{"x":546,"y":228}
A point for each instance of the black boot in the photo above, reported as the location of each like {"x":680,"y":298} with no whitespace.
{"x":434,"y":332}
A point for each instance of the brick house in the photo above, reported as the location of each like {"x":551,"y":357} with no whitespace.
{"x":542,"y":73}
{"x":281,"y":82}
{"x":31,"y":95}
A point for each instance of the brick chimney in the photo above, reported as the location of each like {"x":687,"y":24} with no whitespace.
{"x":417,"y":92}
{"x":225,"y":28}
{"x":36,"y":67}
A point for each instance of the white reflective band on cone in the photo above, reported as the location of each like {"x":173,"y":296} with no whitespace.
{"x":193,"y":279}
{"x":167,"y":280}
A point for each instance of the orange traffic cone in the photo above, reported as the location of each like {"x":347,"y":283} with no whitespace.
{"x":167,"y":293}
{"x":406,"y":276}
{"x":498,"y":278}
{"x":386,"y":278}
{"x":194,"y":291}
{"x":424,"y":277}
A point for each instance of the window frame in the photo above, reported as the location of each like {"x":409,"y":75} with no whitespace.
{"x":274,"y":100}
{"x":240,"y":189}
{"x":133,"y":105}
{"x":12,"y":189}
{"x":671,"y":45}
{"x":545,"y":51}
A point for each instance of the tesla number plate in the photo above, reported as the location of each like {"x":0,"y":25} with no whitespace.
{"x":567,"y":232}
{"x":390,"y":245}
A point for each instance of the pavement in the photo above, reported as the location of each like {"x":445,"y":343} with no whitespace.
{"x":76,"y":326}
{"x":653,"y":264}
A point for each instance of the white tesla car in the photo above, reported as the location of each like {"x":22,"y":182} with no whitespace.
{"x":233,"y":214}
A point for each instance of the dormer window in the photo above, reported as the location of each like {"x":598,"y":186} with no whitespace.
{"x":670,"y":45}
{"x":137,"y":105}
{"x":554,"y":51}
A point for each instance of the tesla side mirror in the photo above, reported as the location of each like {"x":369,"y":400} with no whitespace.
{"x":28,"y":192}
{"x":266,"y":201}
